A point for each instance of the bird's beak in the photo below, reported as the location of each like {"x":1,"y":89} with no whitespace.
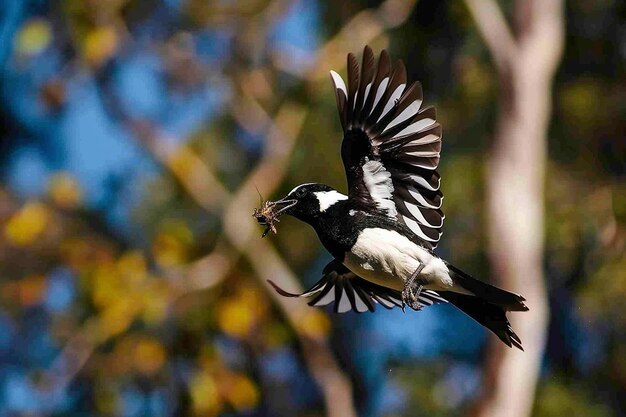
{"x":280,"y":206}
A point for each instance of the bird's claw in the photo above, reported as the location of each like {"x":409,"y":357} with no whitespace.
{"x":410,"y":296}
{"x":412,"y":289}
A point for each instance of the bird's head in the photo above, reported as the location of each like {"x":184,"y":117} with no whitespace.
{"x":305,"y":202}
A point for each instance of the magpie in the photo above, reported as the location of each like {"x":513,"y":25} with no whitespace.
{"x":383,"y":233}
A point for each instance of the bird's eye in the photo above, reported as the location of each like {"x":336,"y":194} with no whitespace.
{"x":300,"y":193}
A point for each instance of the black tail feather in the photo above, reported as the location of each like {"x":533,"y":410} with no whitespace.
{"x":507,"y":300}
{"x":490,"y":315}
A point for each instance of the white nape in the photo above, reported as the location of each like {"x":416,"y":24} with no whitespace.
{"x":328,"y":198}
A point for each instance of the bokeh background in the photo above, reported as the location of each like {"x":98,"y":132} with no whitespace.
{"x":133,"y":134}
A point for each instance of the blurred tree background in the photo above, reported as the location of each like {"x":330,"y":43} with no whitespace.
{"x":132,"y":277}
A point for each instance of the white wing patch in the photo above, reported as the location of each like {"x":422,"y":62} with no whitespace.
{"x":378,"y":182}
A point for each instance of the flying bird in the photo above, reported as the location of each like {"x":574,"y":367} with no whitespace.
{"x":383,"y":233}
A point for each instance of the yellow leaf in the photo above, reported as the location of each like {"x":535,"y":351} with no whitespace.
{"x":155,"y":302}
{"x":205,"y":395}
{"x":117,"y":318}
{"x":100,"y":45}
{"x":27,"y":224}
{"x":33,"y":37}
{"x":314,"y":324}
{"x":179,"y":230}
{"x":171,"y":244}
{"x":65,"y":191}
{"x":168,"y":251}
{"x":149,"y":356}
{"x":241,"y":392}
{"x":235,"y":317}
{"x":107,"y":286}
{"x":132,"y":267}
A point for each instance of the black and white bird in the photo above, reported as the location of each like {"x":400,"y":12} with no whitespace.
{"x":382,"y":234}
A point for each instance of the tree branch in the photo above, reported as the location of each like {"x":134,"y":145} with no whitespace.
{"x":495,"y":31}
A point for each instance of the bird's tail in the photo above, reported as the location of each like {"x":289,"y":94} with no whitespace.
{"x":488,"y":305}
{"x":508,"y":301}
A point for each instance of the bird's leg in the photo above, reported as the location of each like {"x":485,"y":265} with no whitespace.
{"x":410,"y":294}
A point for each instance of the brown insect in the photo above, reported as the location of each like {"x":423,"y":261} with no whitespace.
{"x":270,"y":211}
{"x":266,"y":216}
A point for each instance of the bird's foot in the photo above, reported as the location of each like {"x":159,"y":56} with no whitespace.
{"x":412,"y":289}
{"x":410,"y":295}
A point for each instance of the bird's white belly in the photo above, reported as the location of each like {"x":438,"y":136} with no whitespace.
{"x":387,"y":258}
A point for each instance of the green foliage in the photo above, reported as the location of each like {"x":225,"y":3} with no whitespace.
{"x":556,"y":398}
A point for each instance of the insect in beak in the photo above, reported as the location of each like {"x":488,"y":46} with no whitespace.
{"x":269,"y":213}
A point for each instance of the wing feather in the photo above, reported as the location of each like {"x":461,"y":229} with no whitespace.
{"x":391,"y":146}
{"x":347,"y":291}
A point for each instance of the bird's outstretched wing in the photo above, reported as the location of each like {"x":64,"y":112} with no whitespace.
{"x":351,"y":292}
{"x":391,"y":145}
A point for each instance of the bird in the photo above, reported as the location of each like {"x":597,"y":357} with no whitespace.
{"x":383,"y":232}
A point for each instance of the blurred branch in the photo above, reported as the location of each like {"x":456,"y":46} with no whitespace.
{"x":495,"y":31}
{"x":515,"y":190}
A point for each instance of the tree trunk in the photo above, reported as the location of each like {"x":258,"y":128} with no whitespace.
{"x":515,"y":191}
